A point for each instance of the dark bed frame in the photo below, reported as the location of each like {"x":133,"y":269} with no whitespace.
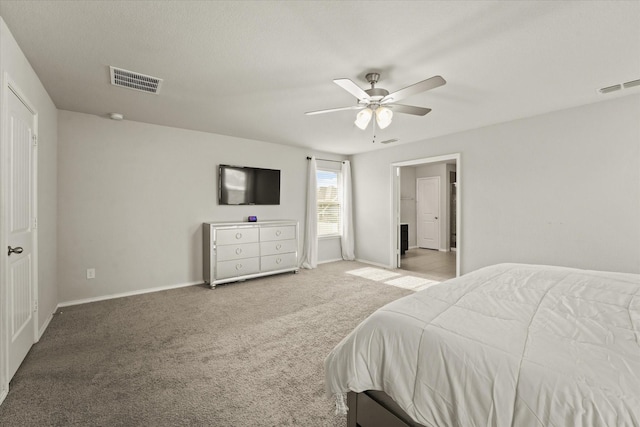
{"x":376,"y":409}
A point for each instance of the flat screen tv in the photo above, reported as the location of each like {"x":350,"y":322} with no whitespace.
{"x":241,"y":185}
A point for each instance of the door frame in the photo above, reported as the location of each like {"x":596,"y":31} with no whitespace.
{"x":9,"y":86}
{"x":394,"y":242}
{"x":439,"y":210}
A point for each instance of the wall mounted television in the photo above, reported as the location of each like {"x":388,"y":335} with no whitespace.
{"x":242,"y":185}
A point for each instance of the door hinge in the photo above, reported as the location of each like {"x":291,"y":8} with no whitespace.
{"x":35,"y":222}
{"x":35,"y":306}
{"x":34,"y":138}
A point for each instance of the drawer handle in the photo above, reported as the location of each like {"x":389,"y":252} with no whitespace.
{"x":238,"y":235}
{"x":238,"y":266}
{"x":278,"y":232}
{"x":278,"y":246}
{"x":279,"y":260}
{"x":238,"y":251}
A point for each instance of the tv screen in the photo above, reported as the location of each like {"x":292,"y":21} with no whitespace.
{"x":239,"y":185}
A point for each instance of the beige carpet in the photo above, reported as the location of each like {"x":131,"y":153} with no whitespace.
{"x":244,"y":354}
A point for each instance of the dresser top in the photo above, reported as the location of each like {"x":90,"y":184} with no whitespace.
{"x":257,"y":223}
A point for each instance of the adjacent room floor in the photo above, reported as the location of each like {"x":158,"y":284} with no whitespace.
{"x":433,"y":264}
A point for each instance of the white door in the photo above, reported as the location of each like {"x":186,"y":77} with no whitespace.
{"x":20,"y":197}
{"x":428,"y":212}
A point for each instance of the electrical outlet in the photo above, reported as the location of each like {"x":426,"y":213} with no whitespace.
{"x":91,"y":273}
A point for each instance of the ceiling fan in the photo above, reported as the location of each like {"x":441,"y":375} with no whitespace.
{"x":380,"y":101}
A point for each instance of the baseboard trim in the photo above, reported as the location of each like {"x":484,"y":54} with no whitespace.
{"x":454,"y":249}
{"x":126,"y":294}
{"x":329,"y":260}
{"x":377,"y":264}
{"x":4,"y":393}
{"x":45,"y":326}
{"x":443,"y":250}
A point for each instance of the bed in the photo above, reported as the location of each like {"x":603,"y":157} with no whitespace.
{"x":506,"y":345}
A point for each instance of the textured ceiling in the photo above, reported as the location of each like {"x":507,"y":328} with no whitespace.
{"x":251,"y":69}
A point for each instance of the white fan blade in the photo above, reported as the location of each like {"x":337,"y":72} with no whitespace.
{"x":408,"y":109}
{"x":331,"y":110}
{"x":431,"y":83}
{"x":352,"y":88}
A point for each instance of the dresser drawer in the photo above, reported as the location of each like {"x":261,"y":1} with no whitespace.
{"x":278,"y":262}
{"x":286,"y":232}
{"x":229,"y":252}
{"x":240,"y":267}
{"x":232,"y":236}
{"x":278,"y":247}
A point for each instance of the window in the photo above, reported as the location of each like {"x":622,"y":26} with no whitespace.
{"x":329,"y":197}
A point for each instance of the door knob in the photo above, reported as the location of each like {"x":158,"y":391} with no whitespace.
{"x":16,"y":250}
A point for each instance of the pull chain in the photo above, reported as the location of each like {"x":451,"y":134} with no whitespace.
{"x":373,"y":131}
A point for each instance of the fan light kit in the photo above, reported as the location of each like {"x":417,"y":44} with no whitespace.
{"x":383,"y":117}
{"x":380,"y":102}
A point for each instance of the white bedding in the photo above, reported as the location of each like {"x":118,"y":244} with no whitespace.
{"x":507,"y":345}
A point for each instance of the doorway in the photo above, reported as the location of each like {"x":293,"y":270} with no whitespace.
{"x":444,"y":259}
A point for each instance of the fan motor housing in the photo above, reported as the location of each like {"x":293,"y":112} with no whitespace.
{"x":375,"y":93}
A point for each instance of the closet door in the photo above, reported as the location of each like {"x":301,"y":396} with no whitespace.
{"x":19,"y":226}
{"x":428,"y":209}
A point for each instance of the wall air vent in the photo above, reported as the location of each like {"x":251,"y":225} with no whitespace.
{"x":135,"y":81}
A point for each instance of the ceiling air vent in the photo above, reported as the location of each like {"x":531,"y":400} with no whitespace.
{"x":389,"y":141}
{"x":626,"y":85}
{"x":135,"y":81}
{"x":610,"y":89}
{"x":632,"y":83}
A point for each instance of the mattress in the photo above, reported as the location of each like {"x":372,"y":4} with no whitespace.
{"x":506,"y":345}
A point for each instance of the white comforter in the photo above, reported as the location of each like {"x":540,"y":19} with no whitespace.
{"x":507,"y":345}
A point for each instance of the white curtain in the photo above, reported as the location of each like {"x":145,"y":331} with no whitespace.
{"x":347,"y":238}
{"x":310,"y":250}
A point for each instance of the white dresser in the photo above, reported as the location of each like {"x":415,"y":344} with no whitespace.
{"x":235,"y":251}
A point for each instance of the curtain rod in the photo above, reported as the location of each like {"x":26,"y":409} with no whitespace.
{"x":327,"y":160}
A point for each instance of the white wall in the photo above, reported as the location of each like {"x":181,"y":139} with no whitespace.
{"x":15,"y":64}
{"x":560,"y":188}
{"x":133,"y":197}
{"x":329,"y":249}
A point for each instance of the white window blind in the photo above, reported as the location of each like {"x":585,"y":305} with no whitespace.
{"x":329,"y":196}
